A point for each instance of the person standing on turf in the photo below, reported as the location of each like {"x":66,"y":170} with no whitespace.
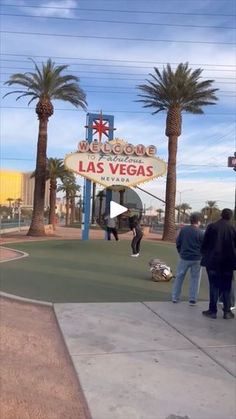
{"x":111,"y":227}
{"x":136,"y":228}
{"x":188,"y":244}
{"x":219,"y":258}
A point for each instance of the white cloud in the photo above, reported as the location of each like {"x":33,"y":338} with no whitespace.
{"x":57,"y":8}
{"x":193,"y":192}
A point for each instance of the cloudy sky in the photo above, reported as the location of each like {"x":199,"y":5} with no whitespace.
{"x":112,"y":45}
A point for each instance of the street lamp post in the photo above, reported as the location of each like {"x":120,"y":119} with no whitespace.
{"x":80,"y":209}
{"x":232,"y":163}
{"x":19,"y":216}
{"x":151,"y":206}
{"x":17,"y":210}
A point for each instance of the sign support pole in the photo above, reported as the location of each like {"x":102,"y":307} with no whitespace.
{"x":87,"y":202}
{"x":90,"y":126}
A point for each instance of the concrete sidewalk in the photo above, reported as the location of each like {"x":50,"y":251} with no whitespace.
{"x":66,"y":233}
{"x":152,"y":360}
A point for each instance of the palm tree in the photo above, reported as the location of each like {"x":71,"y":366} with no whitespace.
{"x":17,"y":207}
{"x":159,"y":212}
{"x":184,"y":207}
{"x":212,"y":210}
{"x":73,"y":194}
{"x":175,"y":92}
{"x":178,"y":208}
{"x":100,"y":195}
{"x":79,"y":206}
{"x":55,"y":170}
{"x":18,"y":202}
{"x":93,"y":203}
{"x":70,"y":188}
{"x":45,"y":85}
{"x":10,"y":200}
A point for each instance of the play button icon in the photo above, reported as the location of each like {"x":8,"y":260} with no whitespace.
{"x":116,"y":209}
{"x":115,"y":203}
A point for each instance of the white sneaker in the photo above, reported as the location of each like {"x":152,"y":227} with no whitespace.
{"x":135,"y":256}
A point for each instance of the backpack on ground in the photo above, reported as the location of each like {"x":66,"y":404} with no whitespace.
{"x":160,"y":271}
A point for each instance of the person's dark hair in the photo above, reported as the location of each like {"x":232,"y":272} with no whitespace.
{"x":226,"y":214}
{"x":195,"y":218}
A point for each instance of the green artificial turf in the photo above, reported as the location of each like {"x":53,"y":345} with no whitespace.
{"x":89,"y":271}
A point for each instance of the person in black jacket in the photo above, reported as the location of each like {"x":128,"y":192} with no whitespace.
{"x":134,"y":224}
{"x":219,"y":258}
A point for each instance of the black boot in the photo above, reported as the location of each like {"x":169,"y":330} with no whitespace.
{"x":209,"y":313}
{"x":228,"y":315}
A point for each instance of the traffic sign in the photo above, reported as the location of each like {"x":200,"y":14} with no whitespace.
{"x":232,"y":161}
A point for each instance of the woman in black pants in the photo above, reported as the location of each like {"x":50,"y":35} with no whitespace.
{"x":138,"y":234}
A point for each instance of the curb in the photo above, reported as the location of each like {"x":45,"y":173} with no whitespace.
{"x":25,"y":300}
{"x":13,"y":229}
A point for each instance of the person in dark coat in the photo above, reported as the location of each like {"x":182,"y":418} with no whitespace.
{"x":219,"y":257}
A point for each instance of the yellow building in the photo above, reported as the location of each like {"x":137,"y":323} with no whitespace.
{"x":15,"y":185}
{"x":10,"y":186}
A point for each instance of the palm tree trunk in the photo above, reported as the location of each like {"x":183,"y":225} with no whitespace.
{"x":72,"y":210}
{"x":93,"y":203}
{"x":179,"y":216}
{"x":169,"y":233}
{"x":37,"y":223}
{"x":121,"y":192}
{"x":67,"y":209}
{"x":100,"y":209}
{"x":80,"y":210}
{"x":52,"y":202}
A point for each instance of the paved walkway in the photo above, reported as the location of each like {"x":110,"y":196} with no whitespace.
{"x":152,"y":360}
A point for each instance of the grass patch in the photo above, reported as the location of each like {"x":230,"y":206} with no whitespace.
{"x":89,"y":271}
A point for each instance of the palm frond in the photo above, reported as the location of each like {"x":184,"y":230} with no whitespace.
{"x":182,"y":88}
{"x":48,"y":82}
